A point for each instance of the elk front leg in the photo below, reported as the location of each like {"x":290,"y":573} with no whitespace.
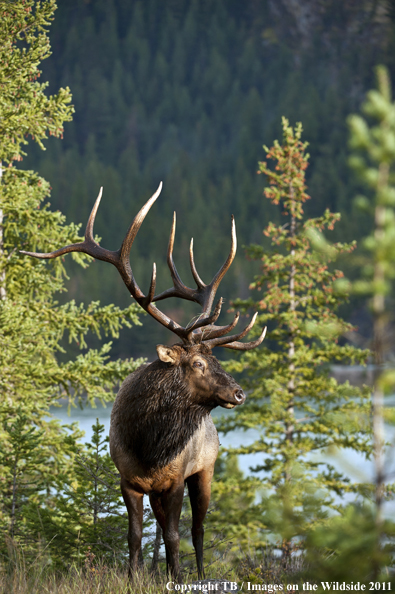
{"x":199,"y":488}
{"x":167,"y":509}
{"x":134,"y":504}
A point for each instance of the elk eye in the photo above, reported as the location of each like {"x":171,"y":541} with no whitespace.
{"x":198,"y":364}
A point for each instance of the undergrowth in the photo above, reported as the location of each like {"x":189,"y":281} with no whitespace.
{"x":18,"y":576}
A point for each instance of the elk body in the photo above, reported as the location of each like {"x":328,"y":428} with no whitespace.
{"x":162,"y":435}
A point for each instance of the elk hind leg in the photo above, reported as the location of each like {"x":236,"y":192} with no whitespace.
{"x":134,"y":504}
{"x":199,"y":488}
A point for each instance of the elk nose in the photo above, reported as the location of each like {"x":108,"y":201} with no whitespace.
{"x":239,"y":396}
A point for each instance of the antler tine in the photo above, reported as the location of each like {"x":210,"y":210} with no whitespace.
{"x":216,"y":331}
{"x":92,"y":216}
{"x":225,"y":340}
{"x":204,"y":294}
{"x":191,"y":334}
{"x":206,"y":321}
{"x":246,"y":346}
{"x":178,"y":289}
{"x":136,"y":224}
{"x":88,"y":246}
{"x":195,"y":274}
{"x":208,"y":291}
{"x":226,"y":265}
{"x":152,"y":286}
{"x":178,"y":284}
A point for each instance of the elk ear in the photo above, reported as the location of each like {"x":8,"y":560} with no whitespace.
{"x":167,"y":354}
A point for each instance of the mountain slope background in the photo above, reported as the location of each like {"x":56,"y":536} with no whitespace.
{"x":187,"y":92}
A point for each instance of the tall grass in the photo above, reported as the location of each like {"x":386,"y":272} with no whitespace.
{"x":78,"y":580}
{"x":37,"y":576}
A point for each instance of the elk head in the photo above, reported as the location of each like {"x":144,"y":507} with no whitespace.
{"x":203,"y":376}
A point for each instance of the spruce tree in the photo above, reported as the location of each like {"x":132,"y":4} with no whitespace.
{"x":27,"y":465}
{"x":90,"y":519}
{"x":298,"y":408}
{"x":33,"y":325}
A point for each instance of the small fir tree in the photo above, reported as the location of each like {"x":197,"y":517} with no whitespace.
{"x":25,"y":472}
{"x":298,"y":408}
{"x":90,"y":519}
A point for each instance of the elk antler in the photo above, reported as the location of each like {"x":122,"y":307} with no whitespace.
{"x":203,"y":294}
{"x":120,"y":259}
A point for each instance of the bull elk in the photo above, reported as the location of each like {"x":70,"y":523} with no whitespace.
{"x":162,"y":434}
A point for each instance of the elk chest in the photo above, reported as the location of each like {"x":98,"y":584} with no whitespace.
{"x":200,"y":450}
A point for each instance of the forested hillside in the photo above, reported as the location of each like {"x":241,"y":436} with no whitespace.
{"x":188,"y":92}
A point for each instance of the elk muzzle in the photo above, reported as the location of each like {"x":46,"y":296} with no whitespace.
{"x":234,"y":399}
{"x":239,"y":396}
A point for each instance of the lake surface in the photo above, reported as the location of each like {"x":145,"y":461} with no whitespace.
{"x":348,"y":461}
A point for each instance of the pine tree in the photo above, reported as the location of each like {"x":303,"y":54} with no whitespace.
{"x":33,"y":326}
{"x":299,"y":409}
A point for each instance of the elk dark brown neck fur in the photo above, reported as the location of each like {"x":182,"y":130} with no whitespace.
{"x":165,"y":410}
{"x":162,"y":435}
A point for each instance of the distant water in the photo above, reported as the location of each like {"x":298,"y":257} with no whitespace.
{"x":350,"y":462}
{"x":87,"y":417}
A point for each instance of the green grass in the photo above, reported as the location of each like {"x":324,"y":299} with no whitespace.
{"x":17,"y":576}
{"x":77,"y":580}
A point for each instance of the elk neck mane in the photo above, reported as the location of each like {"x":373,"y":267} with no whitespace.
{"x":163,"y":414}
